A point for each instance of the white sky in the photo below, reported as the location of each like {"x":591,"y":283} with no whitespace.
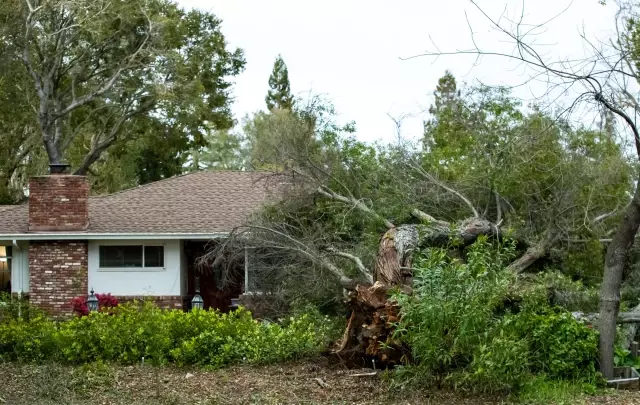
{"x":349,"y":50}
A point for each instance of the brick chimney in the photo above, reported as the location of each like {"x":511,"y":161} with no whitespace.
{"x":58,"y":202}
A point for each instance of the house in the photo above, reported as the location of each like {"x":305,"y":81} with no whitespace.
{"x":137,"y":243}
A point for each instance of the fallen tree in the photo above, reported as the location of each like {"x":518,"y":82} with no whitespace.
{"x":369,"y":331}
{"x":351,"y":217}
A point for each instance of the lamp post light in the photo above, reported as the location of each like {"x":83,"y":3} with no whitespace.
{"x":197,"y":301}
{"x":92,"y":302}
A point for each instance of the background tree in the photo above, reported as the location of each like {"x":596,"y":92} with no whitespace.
{"x":105,"y":72}
{"x":224,"y":151}
{"x":279,"y":94}
{"x":273,"y":138}
{"x":491,"y":151}
{"x":18,"y":130}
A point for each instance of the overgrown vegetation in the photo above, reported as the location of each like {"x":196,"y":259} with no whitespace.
{"x":474,"y":325}
{"x":133,"y":331}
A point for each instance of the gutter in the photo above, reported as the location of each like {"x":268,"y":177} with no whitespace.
{"x":95,"y":236}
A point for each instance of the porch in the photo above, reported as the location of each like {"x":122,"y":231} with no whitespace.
{"x":219,"y":285}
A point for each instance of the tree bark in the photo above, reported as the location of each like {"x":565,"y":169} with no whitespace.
{"x":394,"y":255}
{"x":610,"y":290}
{"x":532,"y":254}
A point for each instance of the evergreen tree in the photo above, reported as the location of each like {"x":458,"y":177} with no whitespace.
{"x":279,"y":95}
{"x":446,"y":94}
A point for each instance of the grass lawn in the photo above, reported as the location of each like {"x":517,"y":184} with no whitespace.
{"x":309,"y":382}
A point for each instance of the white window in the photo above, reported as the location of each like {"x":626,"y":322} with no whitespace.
{"x":131,"y":256}
{"x":5,"y":268}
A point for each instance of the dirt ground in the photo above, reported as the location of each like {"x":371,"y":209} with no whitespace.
{"x":309,"y":382}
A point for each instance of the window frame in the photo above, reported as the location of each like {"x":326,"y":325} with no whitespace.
{"x":7,"y":258}
{"x":143,"y":268}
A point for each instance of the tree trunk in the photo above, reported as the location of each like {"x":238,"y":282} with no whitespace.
{"x":394,"y":255}
{"x":532,"y":254}
{"x":610,"y":290}
{"x":369,"y":333}
{"x":52,"y":151}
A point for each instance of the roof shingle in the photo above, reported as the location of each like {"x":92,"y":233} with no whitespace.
{"x":197,"y":203}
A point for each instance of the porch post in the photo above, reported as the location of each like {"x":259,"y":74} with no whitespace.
{"x":246,"y":270}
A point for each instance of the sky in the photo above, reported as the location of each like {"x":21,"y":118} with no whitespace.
{"x":351,"y":50}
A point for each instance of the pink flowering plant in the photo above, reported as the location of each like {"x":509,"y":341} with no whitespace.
{"x":105,"y":303}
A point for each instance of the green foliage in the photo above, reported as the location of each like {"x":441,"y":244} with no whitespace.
{"x":28,"y":340}
{"x":279,"y":96}
{"x":451,"y":306}
{"x":559,"y":346}
{"x":465,"y":326}
{"x":533,"y":170}
{"x":224,"y":151}
{"x":563,"y":291}
{"x":136,"y":331}
{"x":544,"y":390}
{"x":174,"y":82}
{"x":584,"y":262}
{"x":237,"y":338}
{"x":630,"y":293}
{"x":13,"y":307}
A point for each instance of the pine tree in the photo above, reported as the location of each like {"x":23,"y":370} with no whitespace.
{"x":279,"y":95}
{"x":446,"y":94}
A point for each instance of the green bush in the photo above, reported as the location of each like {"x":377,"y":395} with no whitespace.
{"x":473,"y":325}
{"x":15,"y":307}
{"x":135,"y":331}
{"x":559,"y":346}
{"x":28,"y":340}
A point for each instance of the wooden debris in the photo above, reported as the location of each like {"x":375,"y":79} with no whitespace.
{"x":321,"y":383}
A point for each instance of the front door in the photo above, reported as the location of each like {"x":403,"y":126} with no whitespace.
{"x":213,"y":295}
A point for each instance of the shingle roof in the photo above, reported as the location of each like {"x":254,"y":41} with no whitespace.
{"x":197,"y":203}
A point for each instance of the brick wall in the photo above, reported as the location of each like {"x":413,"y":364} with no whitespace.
{"x":58,"y":203}
{"x":162,"y":301}
{"x":57,"y":274}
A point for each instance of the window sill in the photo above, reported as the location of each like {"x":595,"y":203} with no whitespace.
{"x":131,"y":269}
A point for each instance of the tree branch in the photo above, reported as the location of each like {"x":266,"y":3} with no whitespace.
{"x":304,"y":250}
{"x":358,"y":262}
{"x":432,"y":179}
{"x":327,"y":192}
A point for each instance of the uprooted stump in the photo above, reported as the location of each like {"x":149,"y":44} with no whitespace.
{"x":369,"y":333}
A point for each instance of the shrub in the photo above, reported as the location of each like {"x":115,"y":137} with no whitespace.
{"x":473,"y":325}
{"x":451,"y":308}
{"x":133,"y":331}
{"x":105,"y":303}
{"x":28,"y":340}
{"x":16,"y":307}
{"x":239,"y":338}
{"x":559,"y":346}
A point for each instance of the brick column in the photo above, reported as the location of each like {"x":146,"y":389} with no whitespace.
{"x":58,"y":272}
{"x":58,"y":203}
